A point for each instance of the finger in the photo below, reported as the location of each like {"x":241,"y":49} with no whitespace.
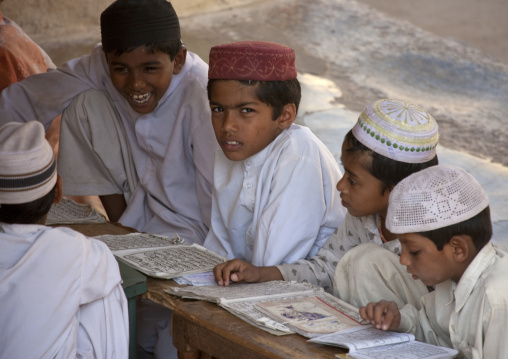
{"x":217,"y":273}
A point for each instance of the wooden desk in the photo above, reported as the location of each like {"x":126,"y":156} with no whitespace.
{"x":204,"y":330}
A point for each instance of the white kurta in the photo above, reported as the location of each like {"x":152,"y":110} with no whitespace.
{"x":278,"y":205}
{"x":172,"y":147}
{"x":471,"y":315}
{"x":60,"y":296}
{"x":320,"y":269}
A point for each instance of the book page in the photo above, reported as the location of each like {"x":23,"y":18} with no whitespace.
{"x":242,"y":291}
{"x":312,"y":315}
{"x":363,"y":337}
{"x":68,"y":212}
{"x":172,"y":261}
{"x":198,"y":279}
{"x":409,"y":350}
{"x":137,"y":241}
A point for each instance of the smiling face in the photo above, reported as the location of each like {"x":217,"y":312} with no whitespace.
{"x":425,"y":262}
{"x":360,"y":192}
{"x":243,"y":124}
{"x":143,"y":78}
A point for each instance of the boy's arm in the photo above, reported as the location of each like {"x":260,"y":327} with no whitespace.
{"x":319,"y":270}
{"x":237,"y":270}
{"x":44,"y":96}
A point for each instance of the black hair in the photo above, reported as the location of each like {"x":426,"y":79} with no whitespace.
{"x":168,"y":47}
{"x":388,"y":171}
{"x":27,"y":213}
{"x":275,"y":94}
{"x":478,"y":227}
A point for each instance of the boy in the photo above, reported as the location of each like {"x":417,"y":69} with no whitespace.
{"x":273,"y":198}
{"x":375,"y":159}
{"x":61,"y":292}
{"x":442,"y":217}
{"x":141,"y":137}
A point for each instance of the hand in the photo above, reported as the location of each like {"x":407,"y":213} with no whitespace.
{"x":383,"y":315}
{"x":237,"y":270}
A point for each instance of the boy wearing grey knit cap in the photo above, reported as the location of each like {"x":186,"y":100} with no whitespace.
{"x":61,"y":291}
{"x":442,"y":217}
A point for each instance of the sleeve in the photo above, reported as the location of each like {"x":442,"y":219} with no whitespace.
{"x":44,"y":96}
{"x":204,"y":145}
{"x":491,"y":338}
{"x":319,"y":270}
{"x":99,"y":272}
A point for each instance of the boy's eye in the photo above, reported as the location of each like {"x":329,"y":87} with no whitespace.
{"x":247,"y":110}
{"x":217,"y":109}
{"x":120,"y":69}
{"x":351,"y":181}
{"x":414,"y":253}
{"x":151,"y":69}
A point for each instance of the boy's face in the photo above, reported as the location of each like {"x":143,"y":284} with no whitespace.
{"x":243,"y":125}
{"x":143,"y":78}
{"x":360,"y":192}
{"x":425,"y":262}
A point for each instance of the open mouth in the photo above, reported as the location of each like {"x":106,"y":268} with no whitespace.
{"x":141,"y":99}
{"x":232,"y":143}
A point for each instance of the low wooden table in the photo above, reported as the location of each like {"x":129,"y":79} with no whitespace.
{"x":204,"y":330}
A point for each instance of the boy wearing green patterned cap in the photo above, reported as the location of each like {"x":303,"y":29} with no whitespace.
{"x":391,"y":140}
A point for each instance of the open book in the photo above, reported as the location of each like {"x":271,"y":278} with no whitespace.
{"x":159,"y":256}
{"x":68,"y":211}
{"x":367,"y":342}
{"x":243,"y":300}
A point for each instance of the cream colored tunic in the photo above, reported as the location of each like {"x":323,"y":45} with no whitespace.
{"x":471,"y":315}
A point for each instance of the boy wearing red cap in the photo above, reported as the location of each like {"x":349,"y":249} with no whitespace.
{"x":136,"y":128}
{"x":273,"y":197}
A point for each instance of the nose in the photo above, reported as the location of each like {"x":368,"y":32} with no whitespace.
{"x":340,"y":185}
{"x":404,"y":258}
{"x":136,"y":81}
{"x":229,"y":123}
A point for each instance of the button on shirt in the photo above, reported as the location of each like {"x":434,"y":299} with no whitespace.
{"x":471,"y":315}
{"x":278,"y":205}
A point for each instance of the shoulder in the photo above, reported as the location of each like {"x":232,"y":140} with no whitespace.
{"x":195,"y":69}
{"x":300,"y":140}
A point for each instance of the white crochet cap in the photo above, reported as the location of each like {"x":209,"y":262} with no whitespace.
{"x":399,"y":130}
{"x":27,"y":165}
{"x":435,"y":197}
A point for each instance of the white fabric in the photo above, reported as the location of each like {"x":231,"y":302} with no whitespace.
{"x":60,"y":296}
{"x":370,"y":273}
{"x":320,"y":269}
{"x":436,"y":197}
{"x":471,"y":315}
{"x":278,"y":205}
{"x":172,"y":147}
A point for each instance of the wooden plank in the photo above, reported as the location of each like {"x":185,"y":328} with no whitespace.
{"x":200,"y":327}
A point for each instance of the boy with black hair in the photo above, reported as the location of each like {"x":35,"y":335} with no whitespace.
{"x":442,"y":217}
{"x":136,"y":127}
{"x":61,"y":292}
{"x":391,"y":139}
{"x":273,"y":195}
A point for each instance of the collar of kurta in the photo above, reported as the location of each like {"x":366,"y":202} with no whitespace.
{"x":484,"y":259}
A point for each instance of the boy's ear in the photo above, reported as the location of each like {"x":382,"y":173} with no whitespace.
{"x":180,"y":57}
{"x":58,"y":190}
{"x":462,"y":247}
{"x":287,"y":117}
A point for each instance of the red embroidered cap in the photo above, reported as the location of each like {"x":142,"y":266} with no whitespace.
{"x":252,"y":60}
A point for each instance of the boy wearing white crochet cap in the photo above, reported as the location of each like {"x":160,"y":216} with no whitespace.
{"x":391,"y":140}
{"x":442,"y":217}
{"x":61,"y":292}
